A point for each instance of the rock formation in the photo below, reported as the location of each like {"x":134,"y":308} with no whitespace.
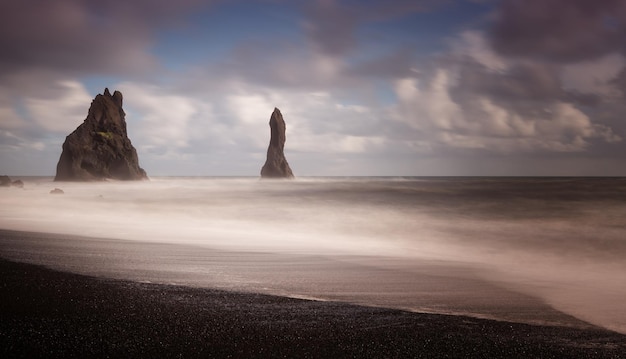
{"x":5,"y":181}
{"x":276,"y":165}
{"x":99,"y":148}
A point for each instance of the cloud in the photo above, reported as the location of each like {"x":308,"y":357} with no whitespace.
{"x":10,"y":119}
{"x":316,"y":122}
{"x":48,"y":46}
{"x":77,"y":37}
{"x":470,"y":101}
{"x":472,"y":44}
{"x":249,"y":110}
{"x":475,"y":101}
{"x":42,"y":120}
{"x":9,"y":140}
{"x":331,"y":27}
{"x":598,"y":77}
{"x":568,"y":129}
{"x":397,"y":64}
{"x":298,"y":67}
{"x":161,"y":120}
{"x":331,"y":24}
{"x":563,"y":31}
{"x":619,"y":82}
{"x":430,"y":106}
{"x":231,"y":125}
{"x":351,"y":102}
{"x":70,"y":104}
{"x":287,"y":65}
{"x":583,"y":82}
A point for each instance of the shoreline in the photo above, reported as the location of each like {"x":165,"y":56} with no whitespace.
{"x":432,"y":287}
{"x":517,"y":251}
{"x":50,"y":313}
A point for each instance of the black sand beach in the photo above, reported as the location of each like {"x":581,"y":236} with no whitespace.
{"x":47,"y":313}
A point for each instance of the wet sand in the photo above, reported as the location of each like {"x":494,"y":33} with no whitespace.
{"x":425,"y":286}
{"x":48,"y":313}
{"x":110,"y":310}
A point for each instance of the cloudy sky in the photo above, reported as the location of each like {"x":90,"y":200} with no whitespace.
{"x":366,"y":87}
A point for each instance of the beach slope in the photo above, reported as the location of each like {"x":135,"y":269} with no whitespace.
{"x":47,"y":313}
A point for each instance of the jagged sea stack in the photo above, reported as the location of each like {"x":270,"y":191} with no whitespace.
{"x":99,"y":148}
{"x":276,"y":165}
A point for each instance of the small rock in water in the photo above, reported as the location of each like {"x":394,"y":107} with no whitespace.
{"x":57,"y":191}
{"x":5,"y":181}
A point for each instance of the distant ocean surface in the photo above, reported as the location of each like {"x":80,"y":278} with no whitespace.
{"x":559,"y":240}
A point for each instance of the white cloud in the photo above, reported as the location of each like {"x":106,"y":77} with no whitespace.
{"x":162,"y":119}
{"x":9,"y":119}
{"x":355,"y":108}
{"x":62,"y":112}
{"x":251,"y":113}
{"x":326,"y":67}
{"x":427,"y":107}
{"x":10,"y":140}
{"x":334,"y":144}
{"x":474,"y":45}
{"x":315,"y":121}
{"x":571,"y":128}
{"x":233,"y":123}
{"x":500,"y":122}
{"x":360,"y":144}
{"x":248,"y":108}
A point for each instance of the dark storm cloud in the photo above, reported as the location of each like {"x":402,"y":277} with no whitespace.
{"x":80,"y":35}
{"x":560,"y":30}
{"x":582,"y":99}
{"x":529,"y":84}
{"x":394,"y":65}
{"x":561,"y":55}
{"x":331,"y":27}
{"x":524,"y":82}
{"x":331,"y":24}
{"x":620,"y":82}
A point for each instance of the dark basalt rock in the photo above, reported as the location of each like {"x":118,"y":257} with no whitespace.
{"x":99,"y":148}
{"x":276,"y":165}
{"x":5,"y":181}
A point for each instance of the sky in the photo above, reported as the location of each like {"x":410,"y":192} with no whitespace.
{"x":366,"y":87}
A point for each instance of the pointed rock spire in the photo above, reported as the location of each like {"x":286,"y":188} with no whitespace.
{"x":276,"y":165}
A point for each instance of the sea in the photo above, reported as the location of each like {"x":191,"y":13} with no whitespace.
{"x":539,"y":250}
